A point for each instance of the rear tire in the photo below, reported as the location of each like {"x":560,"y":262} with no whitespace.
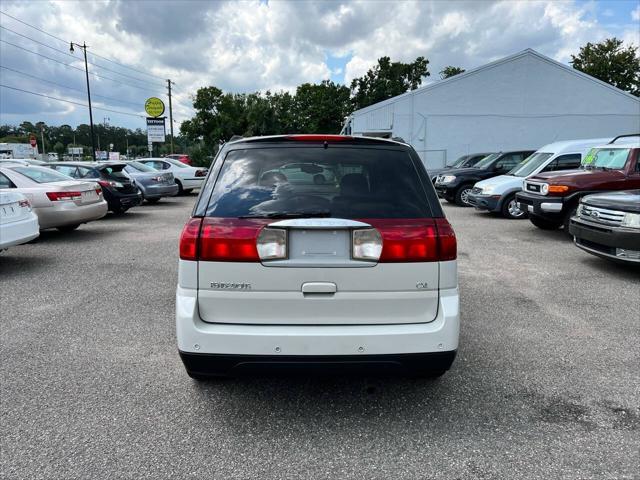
{"x":180,"y":189}
{"x":510,"y":209}
{"x":153,"y":200}
{"x":567,"y":220}
{"x":462,"y":195}
{"x":67,"y":228}
{"x":119,"y":211}
{"x":544,"y":224}
{"x":187,"y":191}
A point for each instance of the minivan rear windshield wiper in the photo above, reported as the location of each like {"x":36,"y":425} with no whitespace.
{"x":307,"y":214}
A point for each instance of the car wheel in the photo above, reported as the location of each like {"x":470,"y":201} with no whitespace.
{"x":153,"y":200}
{"x":462,"y":195}
{"x":567,"y":220}
{"x":510,"y":209}
{"x":180,"y":189}
{"x":187,"y":191}
{"x":68,"y":228}
{"x":119,"y":210}
{"x":544,"y":224}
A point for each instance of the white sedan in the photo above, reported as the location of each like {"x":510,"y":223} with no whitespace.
{"x":187,"y":177}
{"x":18,"y":222}
{"x":59,"y":201}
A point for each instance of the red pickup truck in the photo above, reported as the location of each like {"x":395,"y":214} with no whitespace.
{"x":552,"y":198}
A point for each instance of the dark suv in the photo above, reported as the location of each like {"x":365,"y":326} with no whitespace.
{"x":118,"y":190}
{"x":455,"y":185}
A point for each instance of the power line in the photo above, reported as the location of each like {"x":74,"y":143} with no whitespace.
{"x":92,"y":53}
{"x":72,"y":102}
{"x":66,"y":86}
{"x":76,"y":68}
{"x":74,"y":57}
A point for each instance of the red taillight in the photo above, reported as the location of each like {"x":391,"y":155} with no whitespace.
{"x":415,"y":240}
{"x":447,"y":243}
{"x":319,"y":138}
{"x":98,"y":190}
{"x":23,"y":203}
{"x":230,"y":240}
{"x":189,"y":239}
{"x":57,"y":196}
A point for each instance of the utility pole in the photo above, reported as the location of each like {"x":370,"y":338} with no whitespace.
{"x":86,"y":70}
{"x":42,"y":137}
{"x":169,"y":82}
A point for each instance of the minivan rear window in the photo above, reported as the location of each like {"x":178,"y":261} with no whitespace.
{"x":340,"y":182}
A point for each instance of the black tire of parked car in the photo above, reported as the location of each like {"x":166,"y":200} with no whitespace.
{"x":462,"y":195}
{"x":68,"y":228}
{"x":567,"y":219}
{"x":153,"y":200}
{"x":119,"y":210}
{"x":187,"y":191}
{"x":180,"y":189}
{"x":544,"y":224}
{"x":509,"y":206}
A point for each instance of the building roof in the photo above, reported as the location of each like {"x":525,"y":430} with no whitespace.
{"x":474,"y":71}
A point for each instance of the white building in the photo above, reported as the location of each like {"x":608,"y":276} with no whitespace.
{"x":522,"y":101}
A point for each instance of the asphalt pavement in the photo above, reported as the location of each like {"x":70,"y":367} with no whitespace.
{"x":546,"y":383}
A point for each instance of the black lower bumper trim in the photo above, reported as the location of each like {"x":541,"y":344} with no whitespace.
{"x":215,"y":365}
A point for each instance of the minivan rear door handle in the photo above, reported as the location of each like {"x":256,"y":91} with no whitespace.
{"x":319,"y":287}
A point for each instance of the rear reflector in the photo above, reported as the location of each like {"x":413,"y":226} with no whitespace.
{"x":319,"y":138}
{"x":57,"y":196}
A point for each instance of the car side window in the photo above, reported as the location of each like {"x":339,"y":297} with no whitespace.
{"x":569,"y":161}
{"x":164,"y":165}
{"x":70,"y":170}
{"x":553,"y":165}
{"x":509,"y":161}
{"x":5,"y":182}
{"x":84,"y":172}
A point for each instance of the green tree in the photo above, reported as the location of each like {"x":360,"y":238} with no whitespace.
{"x":450,"y":71}
{"x":321,"y":108}
{"x":387,"y":79}
{"x":610,"y":62}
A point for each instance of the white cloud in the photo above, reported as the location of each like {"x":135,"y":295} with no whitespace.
{"x":635,"y":14}
{"x":253,"y":45}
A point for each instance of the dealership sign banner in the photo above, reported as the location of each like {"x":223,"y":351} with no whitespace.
{"x":155,"y":129}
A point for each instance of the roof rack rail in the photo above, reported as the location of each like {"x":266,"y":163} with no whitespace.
{"x":624,"y":136}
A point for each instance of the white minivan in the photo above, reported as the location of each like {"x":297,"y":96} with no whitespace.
{"x":498,"y":194}
{"x":310,"y":252}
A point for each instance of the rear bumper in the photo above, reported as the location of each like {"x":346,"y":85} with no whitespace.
{"x":157,"y":191}
{"x":195,"y":182}
{"x":485,"y":202}
{"x":16,"y":233}
{"x":68,"y":213}
{"x":197,"y":336}
{"x":605,"y":241}
{"x":207,"y":364}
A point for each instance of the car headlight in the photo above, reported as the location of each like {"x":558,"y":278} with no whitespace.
{"x":487,"y":189}
{"x":579,"y":210}
{"x":544,"y":189}
{"x":631,"y":220}
{"x":448,"y":179}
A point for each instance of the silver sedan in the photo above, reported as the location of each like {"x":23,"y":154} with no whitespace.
{"x":59,"y":201}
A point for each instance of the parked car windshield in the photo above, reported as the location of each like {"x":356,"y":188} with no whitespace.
{"x":530,"y":164}
{"x":609,"y":158}
{"x":141,"y":167}
{"x":42,"y":174}
{"x":486,"y":161}
{"x":175,"y":162}
{"x":460,"y":161}
{"x":340,"y":182}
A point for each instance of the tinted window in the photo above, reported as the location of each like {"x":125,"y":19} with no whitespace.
{"x":115,"y":171}
{"x":486,"y":161}
{"x":568,"y":162}
{"x":42,"y":174}
{"x":509,"y":161}
{"x":84,"y":172}
{"x":5,"y":182}
{"x":342,"y":182}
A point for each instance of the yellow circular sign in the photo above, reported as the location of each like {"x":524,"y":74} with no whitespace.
{"x":154,"y":107}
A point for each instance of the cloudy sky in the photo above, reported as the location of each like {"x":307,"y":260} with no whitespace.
{"x":260,"y":45}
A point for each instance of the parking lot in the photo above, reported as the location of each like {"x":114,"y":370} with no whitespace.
{"x":545,"y":384}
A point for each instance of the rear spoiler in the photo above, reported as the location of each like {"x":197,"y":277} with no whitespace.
{"x":624,"y":136}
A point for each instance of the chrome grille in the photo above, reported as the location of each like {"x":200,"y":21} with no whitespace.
{"x":601,"y":215}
